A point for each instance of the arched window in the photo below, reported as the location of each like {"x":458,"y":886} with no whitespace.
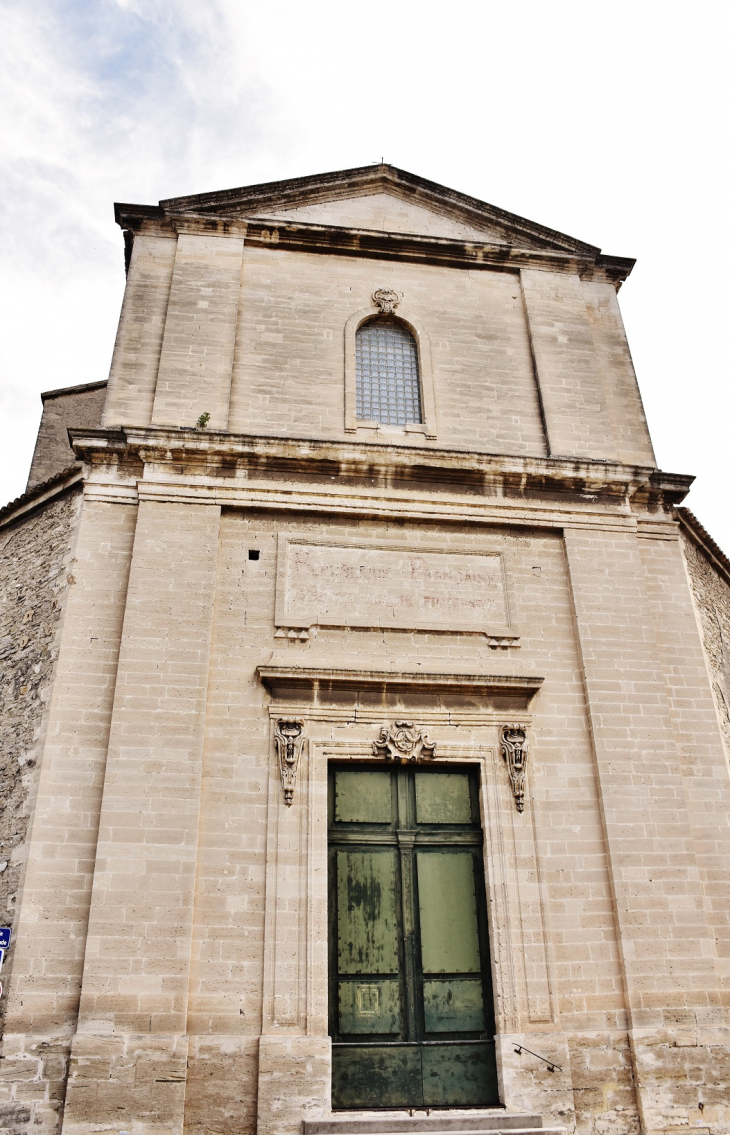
{"x":388,"y":387}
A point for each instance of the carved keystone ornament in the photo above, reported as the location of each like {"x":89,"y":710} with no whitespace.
{"x":514,"y":751}
{"x":403,"y":742}
{"x":289,"y":741}
{"x":386,"y":299}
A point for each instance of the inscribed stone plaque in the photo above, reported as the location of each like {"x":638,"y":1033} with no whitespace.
{"x":363,"y":585}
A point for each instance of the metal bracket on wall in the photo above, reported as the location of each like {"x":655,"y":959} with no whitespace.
{"x":520,"y":1048}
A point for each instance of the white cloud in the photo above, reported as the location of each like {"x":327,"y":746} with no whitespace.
{"x":606,"y":122}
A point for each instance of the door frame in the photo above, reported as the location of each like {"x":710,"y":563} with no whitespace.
{"x":295,"y":1003}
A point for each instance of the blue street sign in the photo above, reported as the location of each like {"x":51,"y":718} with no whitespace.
{"x":5,"y":932}
{"x":2,"y":958}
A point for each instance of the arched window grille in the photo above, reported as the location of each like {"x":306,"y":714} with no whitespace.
{"x":388,"y":387}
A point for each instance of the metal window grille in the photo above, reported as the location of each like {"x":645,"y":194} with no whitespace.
{"x":386,"y":368}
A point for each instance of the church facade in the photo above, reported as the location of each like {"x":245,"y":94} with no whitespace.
{"x":365,"y":712}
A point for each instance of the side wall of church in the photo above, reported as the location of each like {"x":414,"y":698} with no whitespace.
{"x":50,"y":934}
{"x":35,"y":577}
{"x":711,"y":594}
{"x":79,"y":407}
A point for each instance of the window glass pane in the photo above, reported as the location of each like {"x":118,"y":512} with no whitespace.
{"x":388,"y":386}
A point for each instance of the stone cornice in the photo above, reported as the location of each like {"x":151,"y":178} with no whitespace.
{"x":268,"y":197}
{"x":371,"y":244}
{"x":290,"y":681}
{"x":162,"y":459}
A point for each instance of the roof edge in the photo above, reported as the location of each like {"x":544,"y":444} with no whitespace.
{"x":704,"y":541}
{"x":373,"y":175}
{"x":39,"y":494}
{"x":74,"y":389}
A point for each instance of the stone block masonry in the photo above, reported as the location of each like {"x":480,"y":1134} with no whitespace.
{"x":708,"y":570}
{"x":74,"y":406}
{"x":513,"y":565}
{"x":36,"y":574}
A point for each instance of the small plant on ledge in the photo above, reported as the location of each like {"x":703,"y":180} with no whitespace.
{"x":202,"y":422}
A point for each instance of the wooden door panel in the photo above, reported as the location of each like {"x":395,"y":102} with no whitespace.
{"x":367,"y":919}
{"x":442,"y":798}
{"x":363,"y":796}
{"x":459,"y":1075}
{"x":369,"y":1007}
{"x":453,"y":1006}
{"x":376,"y":1076}
{"x":448,"y":912}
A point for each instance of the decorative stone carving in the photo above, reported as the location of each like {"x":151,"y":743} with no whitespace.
{"x":289,"y":741}
{"x":386,"y":299}
{"x":404,"y":742}
{"x":300,"y":634}
{"x":514,"y":751}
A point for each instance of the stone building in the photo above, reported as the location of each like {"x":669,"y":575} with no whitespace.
{"x":365,"y":696}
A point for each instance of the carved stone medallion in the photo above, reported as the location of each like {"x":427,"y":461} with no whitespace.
{"x":514,"y":751}
{"x":386,"y":299}
{"x":403,"y":742}
{"x":289,"y":740}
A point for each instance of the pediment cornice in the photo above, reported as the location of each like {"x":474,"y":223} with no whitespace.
{"x":254,"y":200}
{"x":508,"y":238}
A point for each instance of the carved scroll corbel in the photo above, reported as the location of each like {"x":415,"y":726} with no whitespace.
{"x":514,"y":751}
{"x":289,"y":741}
{"x":403,"y":742}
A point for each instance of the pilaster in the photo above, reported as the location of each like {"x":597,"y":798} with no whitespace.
{"x":129,"y":1056}
{"x":200,"y":331}
{"x":136,"y":358}
{"x":574,"y":407}
{"x":667,"y":945}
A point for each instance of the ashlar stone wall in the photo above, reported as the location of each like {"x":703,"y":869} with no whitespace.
{"x":79,"y":406}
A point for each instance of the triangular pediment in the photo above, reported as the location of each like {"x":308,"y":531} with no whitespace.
{"x":379,"y":198}
{"x":385,"y":212}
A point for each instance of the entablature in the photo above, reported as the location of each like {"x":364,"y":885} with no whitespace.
{"x":370,"y":477}
{"x":335,"y":240}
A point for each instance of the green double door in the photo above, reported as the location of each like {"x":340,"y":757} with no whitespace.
{"x":411,"y":1014}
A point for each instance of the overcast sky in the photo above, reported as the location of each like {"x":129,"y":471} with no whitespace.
{"x":606,"y":121}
